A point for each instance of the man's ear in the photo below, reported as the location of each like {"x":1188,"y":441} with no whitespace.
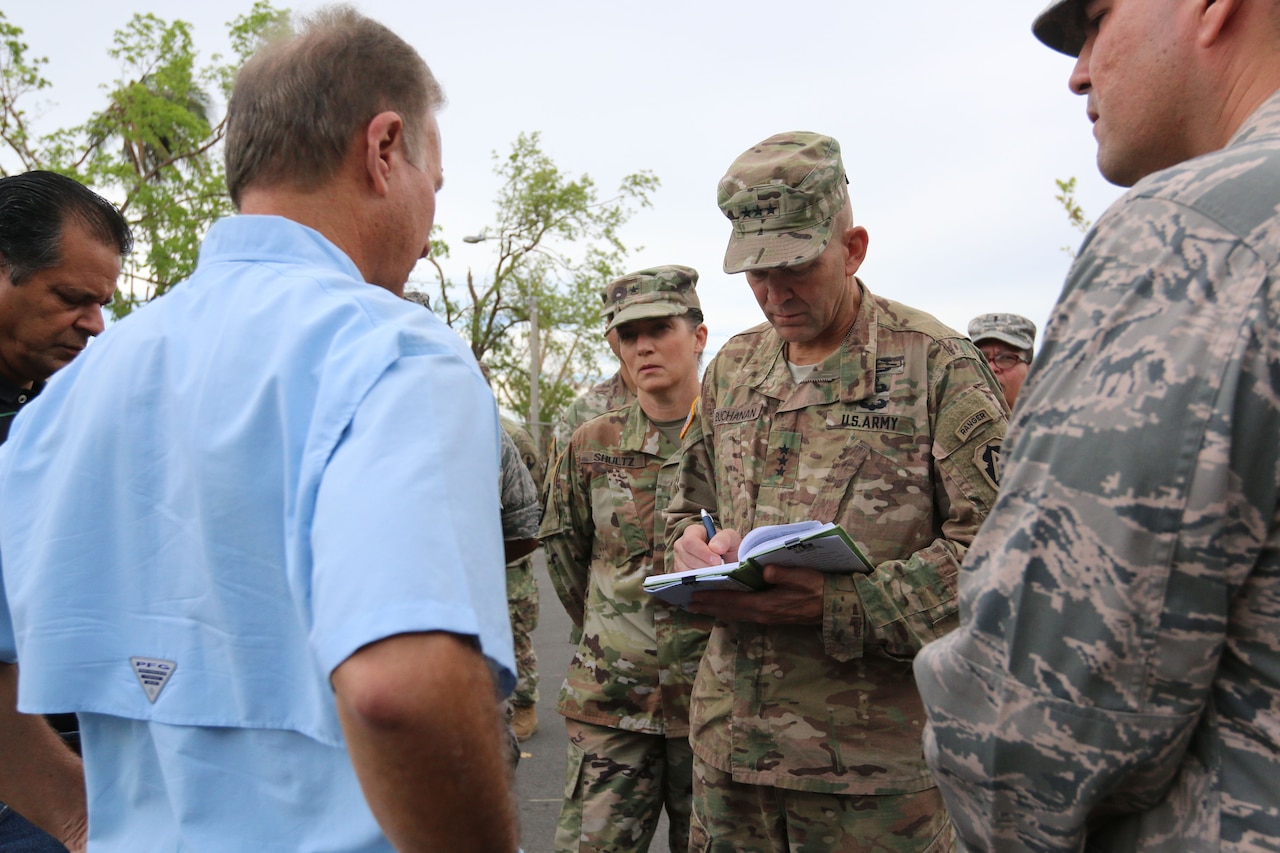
{"x":855,"y":241}
{"x":383,"y":134}
{"x":1213,"y":17}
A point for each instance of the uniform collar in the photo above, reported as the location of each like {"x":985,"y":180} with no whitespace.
{"x":847,"y":375}
{"x":641,"y":435}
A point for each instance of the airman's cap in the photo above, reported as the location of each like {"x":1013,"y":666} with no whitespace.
{"x":1012,"y":329}
{"x":657,"y":292}
{"x":781,"y":196}
{"x":1061,"y":26}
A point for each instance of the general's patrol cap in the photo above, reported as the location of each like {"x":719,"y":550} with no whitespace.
{"x":656,"y":292}
{"x":1012,"y":329}
{"x":1062,"y":26}
{"x":781,"y":196}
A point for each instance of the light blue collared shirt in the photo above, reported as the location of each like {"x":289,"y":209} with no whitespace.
{"x":229,"y":493}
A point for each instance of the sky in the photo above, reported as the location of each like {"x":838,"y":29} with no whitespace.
{"x":953,"y":120}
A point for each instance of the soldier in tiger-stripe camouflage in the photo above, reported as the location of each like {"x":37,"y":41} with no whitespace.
{"x":1115,"y":685}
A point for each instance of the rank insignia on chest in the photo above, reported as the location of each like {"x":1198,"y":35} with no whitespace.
{"x":784,"y":454}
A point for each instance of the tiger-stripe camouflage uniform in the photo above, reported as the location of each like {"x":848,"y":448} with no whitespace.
{"x":522,"y":586}
{"x":1116,"y":683}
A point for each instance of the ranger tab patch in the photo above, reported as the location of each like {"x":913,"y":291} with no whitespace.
{"x":972,"y":422}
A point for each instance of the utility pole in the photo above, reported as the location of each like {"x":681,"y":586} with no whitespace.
{"x":535,"y":373}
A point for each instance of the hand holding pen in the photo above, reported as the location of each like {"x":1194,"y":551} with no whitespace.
{"x":709,"y":524}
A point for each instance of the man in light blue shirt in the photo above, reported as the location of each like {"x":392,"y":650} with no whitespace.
{"x":251,"y":536}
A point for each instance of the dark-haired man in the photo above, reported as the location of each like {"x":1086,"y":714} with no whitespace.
{"x":266,"y":570}
{"x":60,"y":250}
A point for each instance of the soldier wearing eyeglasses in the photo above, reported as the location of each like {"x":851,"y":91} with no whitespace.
{"x":1006,"y":340}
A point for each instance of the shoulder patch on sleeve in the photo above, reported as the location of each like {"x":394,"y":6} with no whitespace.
{"x":987,"y":459}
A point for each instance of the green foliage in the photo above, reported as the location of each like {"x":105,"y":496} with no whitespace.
{"x":556,"y":245}
{"x":153,"y":149}
{"x":1075,"y":213}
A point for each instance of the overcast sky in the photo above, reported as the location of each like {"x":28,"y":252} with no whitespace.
{"x":954,"y":122}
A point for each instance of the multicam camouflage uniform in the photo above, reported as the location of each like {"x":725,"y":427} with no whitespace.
{"x":603,"y":397}
{"x":638,"y":656}
{"x":897,"y":436}
{"x":600,"y":398}
{"x":522,"y":586}
{"x":1116,"y":683}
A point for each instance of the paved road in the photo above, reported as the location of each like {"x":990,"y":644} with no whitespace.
{"x":540,"y":776}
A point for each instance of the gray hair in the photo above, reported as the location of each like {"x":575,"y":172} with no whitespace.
{"x":300,"y":100}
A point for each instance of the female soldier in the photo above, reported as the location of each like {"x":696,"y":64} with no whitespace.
{"x":626,"y":695}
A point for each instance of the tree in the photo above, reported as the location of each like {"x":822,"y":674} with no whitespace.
{"x":1075,"y":213}
{"x":153,"y":149}
{"x":556,"y":245}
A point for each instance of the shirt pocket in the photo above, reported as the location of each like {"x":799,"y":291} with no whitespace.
{"x":623,"y":513}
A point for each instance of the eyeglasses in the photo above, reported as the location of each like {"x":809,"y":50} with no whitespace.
{"x":1006,"y":360}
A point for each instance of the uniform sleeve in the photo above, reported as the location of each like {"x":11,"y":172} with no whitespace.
{"x":909,"y":602}
{"x":567,"y":533}
{"x":570,"y":420}
{"x":1128,"y":580}
{"x":694,"y":489}
{"x":521,"y":510}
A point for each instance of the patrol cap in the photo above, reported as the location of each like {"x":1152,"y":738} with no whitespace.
{"x":656,"y":292}
{"x":781,"y":196}
{"x":1061,"y":26}
{"x":606,"y":303}
{"x":1012,"y":329}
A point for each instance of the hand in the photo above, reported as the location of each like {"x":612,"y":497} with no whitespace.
{"x":794,"y":599}
{"x":692,"y":551}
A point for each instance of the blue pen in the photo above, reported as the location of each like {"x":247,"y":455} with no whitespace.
{"x":709,"y":524}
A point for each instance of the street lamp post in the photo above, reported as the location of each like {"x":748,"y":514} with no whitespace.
{"x":535,"y":358}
